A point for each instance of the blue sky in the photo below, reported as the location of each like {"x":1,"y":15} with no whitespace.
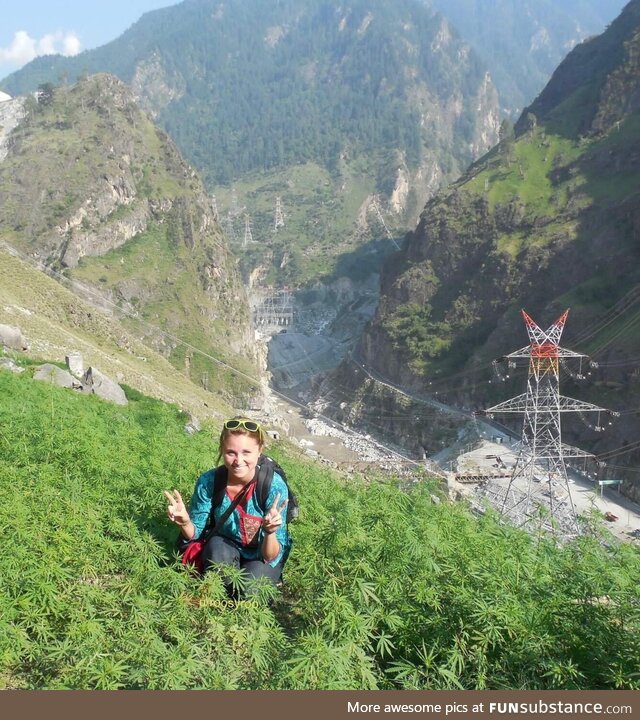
{"x":35,"y":27}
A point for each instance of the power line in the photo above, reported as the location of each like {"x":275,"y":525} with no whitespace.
{"x":217,"y":361}
{"x":610,"y":316}
{"x":616,"y":452}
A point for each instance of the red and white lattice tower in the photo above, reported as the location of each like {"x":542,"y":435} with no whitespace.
{"x":538,"y":490}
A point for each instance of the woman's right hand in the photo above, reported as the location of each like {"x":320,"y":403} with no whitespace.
{"x":176,"y":509}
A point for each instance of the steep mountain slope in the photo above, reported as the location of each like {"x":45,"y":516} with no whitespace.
{"x":549,"y":219}
{"x":539,"y":33}
{"x":382,"y":97}
{"x":56,"y":321}
{"x":249,"y":85}
{"x":91,"y":187}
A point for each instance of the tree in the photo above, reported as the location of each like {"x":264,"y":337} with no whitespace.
{"x":45,"y":93}
{"x":506,"y":135}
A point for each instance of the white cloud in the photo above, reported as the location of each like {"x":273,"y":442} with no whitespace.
{"x":24,"y":48}
{"x":21,"y":50}
{"x":70,"y":44}
{"x":47,"y":44}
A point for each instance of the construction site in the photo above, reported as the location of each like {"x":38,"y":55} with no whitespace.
{"x":534,"y":481}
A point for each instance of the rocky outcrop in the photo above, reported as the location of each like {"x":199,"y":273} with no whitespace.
{"x":153,"y":87}
{"x":12,"y":111}
{"x":11,"y":337}
{"x":77,"y":242}
{"x":56,"y":376}
{"x":97,"y":383}
{"x":112,"y":203}
{"x":10,"y":365}
{"x":92,"y":382}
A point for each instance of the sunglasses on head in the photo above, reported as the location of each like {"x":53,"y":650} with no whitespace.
{"x":249,"y":425}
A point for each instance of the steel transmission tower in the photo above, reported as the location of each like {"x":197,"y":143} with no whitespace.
{"x":248,"y":236}
{"x":279,"y":219}
{"x":234,"y":209}
{"x":539,"y":476}
{"x":229,"y":227}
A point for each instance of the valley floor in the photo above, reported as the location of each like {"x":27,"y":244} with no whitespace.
{"x":584,"y":497}
{"x":305,"y":355}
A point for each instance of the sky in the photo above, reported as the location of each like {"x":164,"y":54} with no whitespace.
{"x":29,"y":28}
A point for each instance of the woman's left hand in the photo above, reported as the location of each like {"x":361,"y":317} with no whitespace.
{"x":273,"y":519}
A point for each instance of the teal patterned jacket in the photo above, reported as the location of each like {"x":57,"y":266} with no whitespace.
{"x":243,"y":527}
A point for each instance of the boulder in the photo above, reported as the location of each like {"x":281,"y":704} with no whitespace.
{"x":75,"y":364}
{"x":8,"y":364}
{"x":193,"y":425}
{"x":104,"y":387}
{"x":12,"y":337}
{"x":56,"y":376}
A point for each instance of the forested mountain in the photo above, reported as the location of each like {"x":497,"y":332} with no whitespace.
{"x":547,"y":220}
{"x":325,"y":103}
{"x":523,"y":41}
{"x":251,"y":84}
{"x":340,"y":108}
{"x":90,"y":188}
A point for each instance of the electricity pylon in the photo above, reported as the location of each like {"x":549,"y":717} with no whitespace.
{"x":279,"y":219}
{"x":234,"y":209}
{"x":541,"y":460}
{"x":229,"y":227}
{"x":248,"y":237}
{"x":374,"y":206}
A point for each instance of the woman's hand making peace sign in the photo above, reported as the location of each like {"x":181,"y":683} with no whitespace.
{"x":176,"y":509}
{"x":273,"y":519}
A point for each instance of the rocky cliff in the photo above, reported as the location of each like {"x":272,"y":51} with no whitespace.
{"x":549,"y":219}
{"x":523,"y":41}
{"x":90,"y":188}
{"x":323,"y":103}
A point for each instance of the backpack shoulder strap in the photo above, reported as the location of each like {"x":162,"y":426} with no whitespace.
{"x":219,"y":489}
{"x":219,"y":485}
{"x":265,"y":476}
{"x":217,"y":494}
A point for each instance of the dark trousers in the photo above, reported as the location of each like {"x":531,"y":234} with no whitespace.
{"x":222,"y":551}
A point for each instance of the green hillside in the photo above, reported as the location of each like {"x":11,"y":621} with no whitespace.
{"x":91,"y":597}
{"x":546,"y":220}
{"x":92,"y":188}
{"x":338,"y":101}
{"x":56,"y":321}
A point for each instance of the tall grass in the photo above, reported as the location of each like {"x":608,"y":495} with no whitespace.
{"x":384,"y":589}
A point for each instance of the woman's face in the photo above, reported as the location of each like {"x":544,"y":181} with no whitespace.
{"x":240,"y":454}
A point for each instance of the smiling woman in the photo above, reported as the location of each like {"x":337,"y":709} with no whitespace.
{"x":227,"y":515}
